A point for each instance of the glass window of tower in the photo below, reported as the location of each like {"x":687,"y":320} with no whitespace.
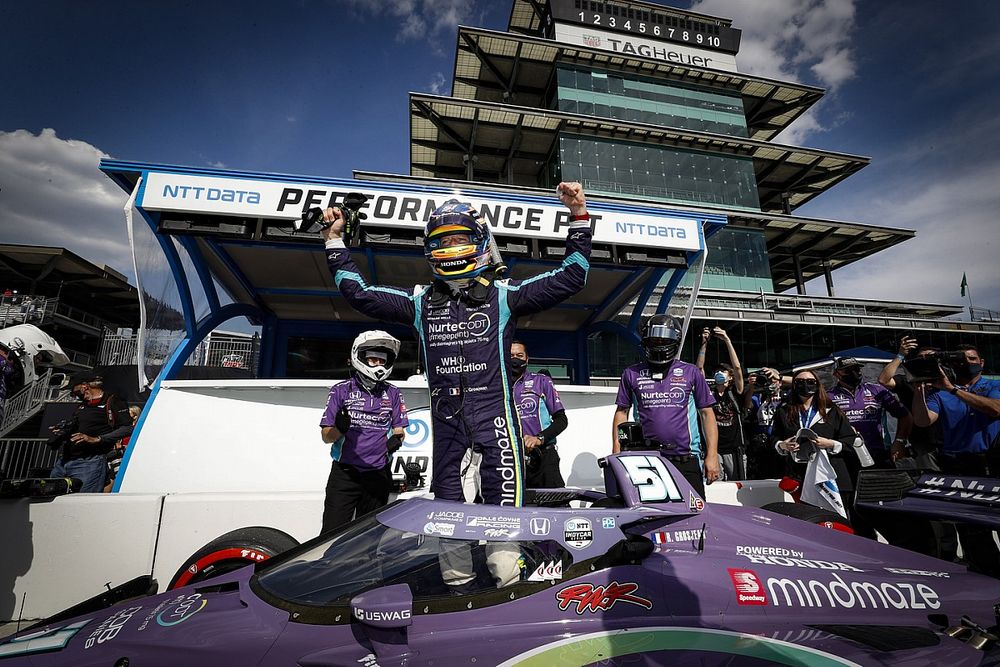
{"x":632,"y":98}
{"x":658,"y":172}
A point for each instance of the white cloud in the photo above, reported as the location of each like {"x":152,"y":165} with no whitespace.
{"x":793,"y":40}
{"x":436,"y":86}
{"x":423,"y":19}
{"x":947,"y":193}
{"x":53,"y":194}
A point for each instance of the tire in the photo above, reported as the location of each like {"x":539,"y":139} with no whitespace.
{"x":235,"y":549}
{"x":811,"y":514}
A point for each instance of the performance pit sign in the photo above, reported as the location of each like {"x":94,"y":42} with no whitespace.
{"x":410,"y":208}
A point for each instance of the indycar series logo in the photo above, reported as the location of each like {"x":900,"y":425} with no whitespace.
{"x":588,"y":597}
{"x":578,"y":533}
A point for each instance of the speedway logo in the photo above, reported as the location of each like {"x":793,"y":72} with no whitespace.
{"x":588,"y":597}
{"x":751,"y":589}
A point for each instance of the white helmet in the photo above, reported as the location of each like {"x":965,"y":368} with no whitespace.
{"x":378,"y":341}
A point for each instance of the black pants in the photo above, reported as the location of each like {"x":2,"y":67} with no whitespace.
{"x":691,"y":471}
{"x":349,"y":489}
{"x":978,"y":547}
{"x":543,"y":469}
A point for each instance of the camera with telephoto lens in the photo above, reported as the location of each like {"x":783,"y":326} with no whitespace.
{"x":925,"y":368}
{"x":60,"y":432}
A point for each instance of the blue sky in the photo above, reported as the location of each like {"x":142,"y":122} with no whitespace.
{"x":315,"y":87}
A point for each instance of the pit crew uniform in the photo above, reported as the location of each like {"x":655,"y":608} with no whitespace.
{"x":865,"y":408}
{"x":360,"y":478}
{"x":537,"y":402}
{"x":465,"y":335}
{"x":666,"y":406}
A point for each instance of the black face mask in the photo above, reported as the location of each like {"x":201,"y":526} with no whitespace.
{"x":851,"y":378}
{"x":517,"y":366}
{"x":805,"y":388}
{"x":969,"y":371}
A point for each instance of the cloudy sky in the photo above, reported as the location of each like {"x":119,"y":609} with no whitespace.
{"x":320,"y":87}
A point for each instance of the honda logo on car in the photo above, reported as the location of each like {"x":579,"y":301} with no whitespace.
{"x":539,"y":526}
{"x":751,"y":589}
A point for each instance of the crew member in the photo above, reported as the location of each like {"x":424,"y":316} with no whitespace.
{"x":542,"y":416}
{"x":666,"y":393}
{"x":465,"y":323}
{"x":99,"y":421}
{"x":364,"y":420}
{"x":865,"y":405}
{"x":725,"y":380}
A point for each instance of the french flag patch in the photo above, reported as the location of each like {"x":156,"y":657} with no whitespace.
{"x":661,"y":538}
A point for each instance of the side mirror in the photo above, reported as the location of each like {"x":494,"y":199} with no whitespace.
{"x":386,"y":607}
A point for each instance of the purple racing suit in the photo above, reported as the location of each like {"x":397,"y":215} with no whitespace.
{"x":464,"y":337}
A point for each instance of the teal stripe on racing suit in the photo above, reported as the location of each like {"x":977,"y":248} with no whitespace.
{"x":466,"y":346}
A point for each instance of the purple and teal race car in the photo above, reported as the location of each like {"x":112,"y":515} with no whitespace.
{"x":645,"y":574}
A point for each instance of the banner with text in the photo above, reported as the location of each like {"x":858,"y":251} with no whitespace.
{"x":410,"y":209}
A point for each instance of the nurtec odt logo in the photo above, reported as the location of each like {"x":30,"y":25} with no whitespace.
{"x":477,"y":325}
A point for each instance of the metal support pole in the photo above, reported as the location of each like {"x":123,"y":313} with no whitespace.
{"x":800,"y":284}
{"x":828,"y":274}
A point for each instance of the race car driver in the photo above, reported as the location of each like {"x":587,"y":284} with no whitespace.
{"x":364,"y":420}
{"x":465,"y":322}
{"x":666,"y":394}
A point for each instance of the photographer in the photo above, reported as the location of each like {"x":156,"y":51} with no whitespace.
{"x":968,"y":409}
{"x":924,"y":441}
{"x":88,"y":436}
{"x":725,"y":379}
{"x":360,"y":412}
{"x":761,"y":404}
{"x":542,"y":416}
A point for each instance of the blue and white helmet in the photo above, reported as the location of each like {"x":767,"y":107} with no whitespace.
{"x":457,"y":261}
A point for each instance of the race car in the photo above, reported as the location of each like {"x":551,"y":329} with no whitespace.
{"x":644,"y":573}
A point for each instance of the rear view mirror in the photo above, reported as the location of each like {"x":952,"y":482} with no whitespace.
{"x":386,"y":607}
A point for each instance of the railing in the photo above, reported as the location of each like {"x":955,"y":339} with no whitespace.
{"x":25,"y":309}
{"x":218,"y":351}
{"x":27,"y":402}
{"x":18,"y":456}
{"x":983,"y":314}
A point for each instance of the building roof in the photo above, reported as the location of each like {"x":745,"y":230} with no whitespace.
{"x":526,"y":15}
{"x":100,"y":291}
{"x":501,"y":67}
{"x":816,"y":241}
{"x":445,"y":131}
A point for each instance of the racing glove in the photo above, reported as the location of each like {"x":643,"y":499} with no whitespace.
{"x":342,"y":421}
{"x":395,"y":442}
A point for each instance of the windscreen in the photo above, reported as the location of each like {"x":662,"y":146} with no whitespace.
{"x":369,"y":554}
{"x":161,"y":327}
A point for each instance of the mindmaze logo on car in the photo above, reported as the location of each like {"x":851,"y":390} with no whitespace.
{"x":830,"y":591}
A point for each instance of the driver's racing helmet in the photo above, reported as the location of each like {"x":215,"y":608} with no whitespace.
{"x":382,"y":344}
{"x":661,"y":338}
{"x":457,"y":262}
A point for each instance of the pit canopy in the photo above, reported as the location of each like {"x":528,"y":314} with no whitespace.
{"x":229,"y":241}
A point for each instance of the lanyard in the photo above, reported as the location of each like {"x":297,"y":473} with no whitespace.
{"x":805,"y":423}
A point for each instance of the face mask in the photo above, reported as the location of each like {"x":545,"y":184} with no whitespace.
{"x":851,"y":378}
{"x":518,"y":365}
{"x":720,"y":378}
{"x":970,"y":370}
{"x":804,"y":389}
{"x":79,"y":395}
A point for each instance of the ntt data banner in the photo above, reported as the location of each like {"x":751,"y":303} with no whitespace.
{"x":411,"y":208}
{"x":631,"y":45}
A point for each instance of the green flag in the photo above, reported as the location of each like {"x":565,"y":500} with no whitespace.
{"x":965,"y":284}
